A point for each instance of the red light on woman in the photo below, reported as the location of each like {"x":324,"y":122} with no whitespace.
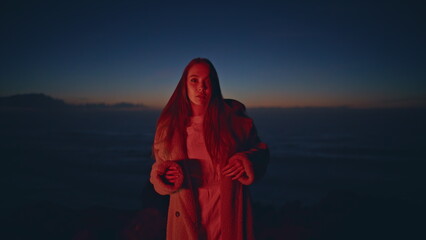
{"x":207,"y":153}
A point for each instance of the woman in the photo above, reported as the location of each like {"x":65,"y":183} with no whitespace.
{"x":206,"y":154}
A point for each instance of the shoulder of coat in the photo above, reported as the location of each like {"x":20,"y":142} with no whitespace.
{"x":235,"y":106}
{"x":241,"y":123}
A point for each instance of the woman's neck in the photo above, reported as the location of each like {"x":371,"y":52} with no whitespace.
{"x":198,"y":110}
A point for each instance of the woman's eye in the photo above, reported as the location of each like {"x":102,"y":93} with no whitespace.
{"x":193,"y":80}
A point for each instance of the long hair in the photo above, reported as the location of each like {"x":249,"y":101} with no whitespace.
{"x":216,"y":125}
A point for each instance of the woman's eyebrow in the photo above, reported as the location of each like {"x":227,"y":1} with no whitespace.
{"x":194,"y":75}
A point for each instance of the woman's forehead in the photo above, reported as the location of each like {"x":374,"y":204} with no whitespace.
{"x":199,"y":70}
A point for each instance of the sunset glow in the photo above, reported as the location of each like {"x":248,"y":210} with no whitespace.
{"x":266,"y":54}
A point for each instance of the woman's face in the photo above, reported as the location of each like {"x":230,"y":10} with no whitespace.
{"x":198,"y":84}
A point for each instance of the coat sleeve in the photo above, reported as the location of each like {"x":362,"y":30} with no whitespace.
{"x":159,"y":168}
{"x":255,"y":157}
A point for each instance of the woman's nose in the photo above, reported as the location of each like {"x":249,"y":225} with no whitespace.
{"x":202,"y":87}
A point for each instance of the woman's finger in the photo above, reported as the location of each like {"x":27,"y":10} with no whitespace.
{"x":231,"y":164}
{"x":227,"y":167}
{"x":176,"y":175}
{"x":171,"y":177}
{"x":231,"y":169}
{"x":238,"y":175}
{"x":166,"y":172}
{"x":235,"y":172}
{"x":172,"y":173}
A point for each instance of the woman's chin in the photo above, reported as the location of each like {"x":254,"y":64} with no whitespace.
{"x":199,"y":102}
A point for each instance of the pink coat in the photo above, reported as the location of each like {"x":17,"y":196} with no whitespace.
{"x":236,"y":217}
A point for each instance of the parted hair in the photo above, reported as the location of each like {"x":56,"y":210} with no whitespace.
{"x":175,"y":116}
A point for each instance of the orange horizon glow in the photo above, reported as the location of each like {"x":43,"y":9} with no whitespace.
{"x":282,"y":103}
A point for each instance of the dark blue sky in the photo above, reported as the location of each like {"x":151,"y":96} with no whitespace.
{"x":292,"y":53}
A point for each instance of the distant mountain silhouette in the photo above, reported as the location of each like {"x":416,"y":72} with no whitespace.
{"x":118,"y":106}
{"x":32,"y":100}
{"x":43,"y":101}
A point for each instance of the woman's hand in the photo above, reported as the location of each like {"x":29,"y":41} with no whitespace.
{"x":171,"y":175}
{"x":234,"y":169}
